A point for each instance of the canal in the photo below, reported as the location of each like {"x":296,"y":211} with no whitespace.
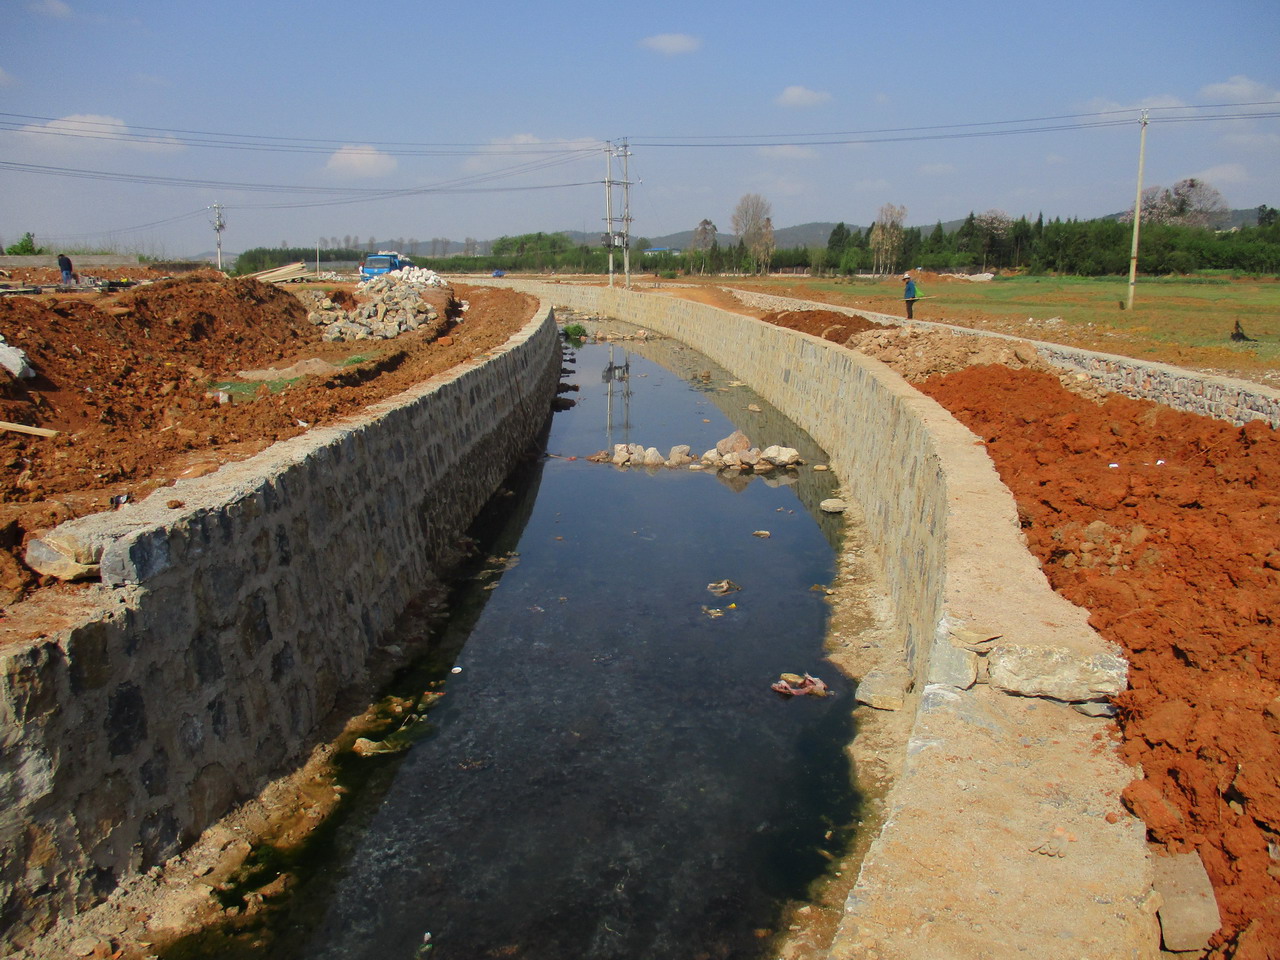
{"x":608,"y":774}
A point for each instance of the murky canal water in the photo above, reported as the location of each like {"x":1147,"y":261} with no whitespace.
{"x":609,"y":775}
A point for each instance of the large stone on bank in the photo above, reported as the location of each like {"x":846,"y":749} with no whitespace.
{"x":883,"y":688}
{"x":1189,"y":913}
{"x":1060,"y":672}
{"x":67,"y":553}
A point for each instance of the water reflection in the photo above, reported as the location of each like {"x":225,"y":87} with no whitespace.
{"x":610,"y":775}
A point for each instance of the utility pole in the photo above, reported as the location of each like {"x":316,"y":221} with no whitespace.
{"x":1137,"y":210}
{"x":626,"y":216}
{"x":219,"y":224}
{"x":617,"y":238}
{"x":608,"y":205}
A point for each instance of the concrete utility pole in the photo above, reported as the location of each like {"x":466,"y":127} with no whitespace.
{"x":608,"y":205}
{"x":1137,"y":210}
{"x":626,"y":216}
{"x":617,"y":238}
{"x":219,"y":224}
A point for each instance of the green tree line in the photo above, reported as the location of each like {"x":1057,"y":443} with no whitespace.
{"x":1080,"y":247}
{"x":268,"y":258}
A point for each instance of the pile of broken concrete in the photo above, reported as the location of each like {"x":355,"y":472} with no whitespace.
{"x":393,"y":303}
{"x":734,"y":453}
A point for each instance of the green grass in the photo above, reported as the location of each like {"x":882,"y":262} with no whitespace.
{"x":1182,"y":320}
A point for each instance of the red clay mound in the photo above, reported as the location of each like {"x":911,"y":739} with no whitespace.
{"x":827,"y":324}
{"x":1166,"y":527}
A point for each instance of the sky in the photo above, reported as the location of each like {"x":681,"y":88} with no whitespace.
{"x":123,"y":122}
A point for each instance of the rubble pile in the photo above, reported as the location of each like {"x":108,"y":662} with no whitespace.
{"x":392,"y":304}
{"x":734,"y":452}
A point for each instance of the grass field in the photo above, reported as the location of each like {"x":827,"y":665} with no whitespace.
{"x":1183,"y":321}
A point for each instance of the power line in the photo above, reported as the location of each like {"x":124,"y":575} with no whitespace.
{"x":161,"y":137}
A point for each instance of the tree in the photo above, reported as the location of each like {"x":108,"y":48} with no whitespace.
{"x":24,"y":247}
{"x":1189,"y":203}
{"x":838,"y":240}
{"x":1267,"y":215}
{"x":886,"y":238}
{"x":749,"y":219}
{"x":993,"y":226}
{"x":704,"y":236}
{"x":765,"y":246}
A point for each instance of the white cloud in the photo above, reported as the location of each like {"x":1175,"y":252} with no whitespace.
{"x":936,"y":169}
{"x":6,"y":79}
{"x":1162,"y":100}
{"x":864,"y":186}
{"x":797,"y":96}
{"x":502,"y":149}
{"x":356,"y":160}
{"x":92,"y":132}
{"x":671,"y":44}
{"x":788,"y":151}
{"x":1239,"y":89}
{"x":1055,"y":159}
{"x":1224,"y":173}
{"x":51,"y":8}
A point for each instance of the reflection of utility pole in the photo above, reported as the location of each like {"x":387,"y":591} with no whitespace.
{"x":1137,"y":210}
{"x":219,"y":224}
{"x":617,"y":374}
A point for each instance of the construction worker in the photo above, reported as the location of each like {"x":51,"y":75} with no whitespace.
{"x":64,"y":264}
{"x":909,"y":293}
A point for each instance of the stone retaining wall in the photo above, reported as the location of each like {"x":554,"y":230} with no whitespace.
{"x":235,"y":610}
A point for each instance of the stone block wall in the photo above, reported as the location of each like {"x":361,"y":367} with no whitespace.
{"x":226,"y":627}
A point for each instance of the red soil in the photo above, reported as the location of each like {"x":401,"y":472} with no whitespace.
{"x":126,"y":380}
{"x":1166,"y":527}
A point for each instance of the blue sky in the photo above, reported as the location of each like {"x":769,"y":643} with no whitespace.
{"x":121,"y":122}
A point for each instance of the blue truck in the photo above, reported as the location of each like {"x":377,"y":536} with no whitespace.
{"x":384,"y":261}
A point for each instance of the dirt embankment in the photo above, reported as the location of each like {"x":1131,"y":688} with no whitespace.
{"x":1166,"y":527}
{"x":165,"y":380}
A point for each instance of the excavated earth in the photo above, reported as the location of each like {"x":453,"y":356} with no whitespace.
{"x":1166,"y":527}
{"x":1163,"y":525}
{"x":174,"y":378}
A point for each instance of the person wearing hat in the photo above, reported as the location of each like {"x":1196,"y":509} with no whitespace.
{"x":909,"y":293}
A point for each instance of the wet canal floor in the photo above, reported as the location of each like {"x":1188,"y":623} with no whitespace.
{"x":608,"y":774}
